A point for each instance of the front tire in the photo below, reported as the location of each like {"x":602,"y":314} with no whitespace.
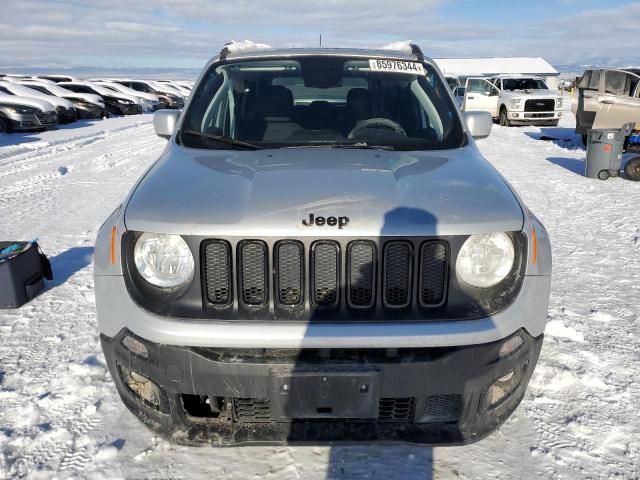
{"x":632,"y":169}
{"x":5,"y":126}
{"x":504,"y":120}
{"x":603,"y":174}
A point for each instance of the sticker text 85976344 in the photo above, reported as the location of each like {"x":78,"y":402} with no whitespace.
{"x":396,"y":66}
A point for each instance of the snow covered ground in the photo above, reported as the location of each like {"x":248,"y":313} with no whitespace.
{"x":60,"y":415}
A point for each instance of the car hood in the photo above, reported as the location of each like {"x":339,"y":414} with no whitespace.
{"x":89,"y":97}
{"x":270,"y":193}
{"x":532,"y":93}
{"x":26,"y":102}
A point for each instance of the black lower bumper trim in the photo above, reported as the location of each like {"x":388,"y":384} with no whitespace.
{"x":246,"y":396}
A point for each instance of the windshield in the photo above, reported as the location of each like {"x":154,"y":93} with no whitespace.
{"x":524,"y":84}
{"x":323,"y":101}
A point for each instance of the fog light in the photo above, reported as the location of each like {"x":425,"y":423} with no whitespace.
{"x":503,"y":387}
{"x":135,"y":346}
{"x":559,"y":114}
{"x":141,"y":386}
{"x":516,"y":115}
{"x":510,"y":346}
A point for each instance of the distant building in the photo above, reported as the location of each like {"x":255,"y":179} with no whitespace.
{"x":481,"y":67}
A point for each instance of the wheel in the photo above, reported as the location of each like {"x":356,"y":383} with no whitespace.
{"x":5,"y":127}
{"x":603,"y":174}
{"x":504,"y":121}
{"x":632,"y":169}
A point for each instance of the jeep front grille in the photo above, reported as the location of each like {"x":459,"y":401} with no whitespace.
{"x":358,"y":275}
{"x":541,"y":105}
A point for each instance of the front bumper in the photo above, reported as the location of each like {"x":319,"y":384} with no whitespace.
{"x":417,"y":395}
{"x":90,"y":112}
{"x":24,"y":122}
{"x":67,"y":115}
{"x":130,"y":109}
{"x":534,"y":117}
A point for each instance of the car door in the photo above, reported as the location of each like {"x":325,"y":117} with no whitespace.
{"x":618,"y":103}
{"x":481,"y":95}
{"x":588,"y":104}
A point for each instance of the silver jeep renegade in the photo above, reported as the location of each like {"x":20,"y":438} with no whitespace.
{"x":322,"y":254}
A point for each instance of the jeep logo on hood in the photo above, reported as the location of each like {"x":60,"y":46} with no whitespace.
{"x":319,"y":221}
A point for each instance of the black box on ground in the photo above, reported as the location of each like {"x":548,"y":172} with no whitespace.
{"x":21,"y":274}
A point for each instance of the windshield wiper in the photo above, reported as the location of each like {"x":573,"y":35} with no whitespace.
{"x":221,"y":139}
{"x":360,"y":146}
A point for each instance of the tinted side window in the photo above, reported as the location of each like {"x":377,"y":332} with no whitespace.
{"x":616,"y":83}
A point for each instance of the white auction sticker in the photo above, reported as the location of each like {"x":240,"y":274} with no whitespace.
{"x":396,"y":66}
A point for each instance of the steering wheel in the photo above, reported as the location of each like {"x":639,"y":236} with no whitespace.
{"x":378,"y":121}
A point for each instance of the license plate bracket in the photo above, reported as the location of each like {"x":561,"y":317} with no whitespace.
{"x":324,"y":394}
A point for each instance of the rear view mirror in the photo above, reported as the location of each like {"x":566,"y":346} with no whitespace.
{"x":165,"y":121}
{"x":479,"y":124}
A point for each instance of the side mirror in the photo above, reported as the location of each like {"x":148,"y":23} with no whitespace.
{"x":479,"y":124}
{"x":165,"y":121}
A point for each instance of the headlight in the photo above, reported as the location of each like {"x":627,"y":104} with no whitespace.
{"x":126,"y":102}
{"x":163,"y":260}
{"x":485,"y":260}
{"x":24,"y":109}
{"x":559,"y":102}
{"x":515,"y":103}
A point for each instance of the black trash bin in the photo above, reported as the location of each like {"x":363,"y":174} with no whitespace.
{"x":604,"y":151}
{"x":22,"y":273}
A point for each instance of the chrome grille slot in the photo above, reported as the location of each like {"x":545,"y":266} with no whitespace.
{"x":398,"y":260}
{"x":325,"y":268}
{"x":252,"y":261}
{"x":218,"y":272}
{"x":361,"y":271}
{"x":434,"y":270}
{"x":289,"y":274}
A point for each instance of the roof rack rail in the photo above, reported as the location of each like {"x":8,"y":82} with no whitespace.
{"x":415,"y":49}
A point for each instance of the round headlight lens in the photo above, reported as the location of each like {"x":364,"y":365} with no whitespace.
{"x":485,"y":260}
{"x":163,"y":260}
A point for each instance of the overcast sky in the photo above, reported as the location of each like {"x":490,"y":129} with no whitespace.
{"x":186,"y":33}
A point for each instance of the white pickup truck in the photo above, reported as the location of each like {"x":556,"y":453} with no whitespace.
{"x":514,"y":100}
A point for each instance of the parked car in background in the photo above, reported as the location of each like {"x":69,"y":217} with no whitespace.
{"x":116,"y":103}
{"x":514,"y":99}
{"x":186,"y":84}
{"x":607,"y":98}
{"x":66,"y":110}
{"x":58,"y":78}
{"x":22,"y":114}
{"x":87,"y":105}
{"x":176,"y":86}
{"x":150,"y":101}
{"x":170,"y":99}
